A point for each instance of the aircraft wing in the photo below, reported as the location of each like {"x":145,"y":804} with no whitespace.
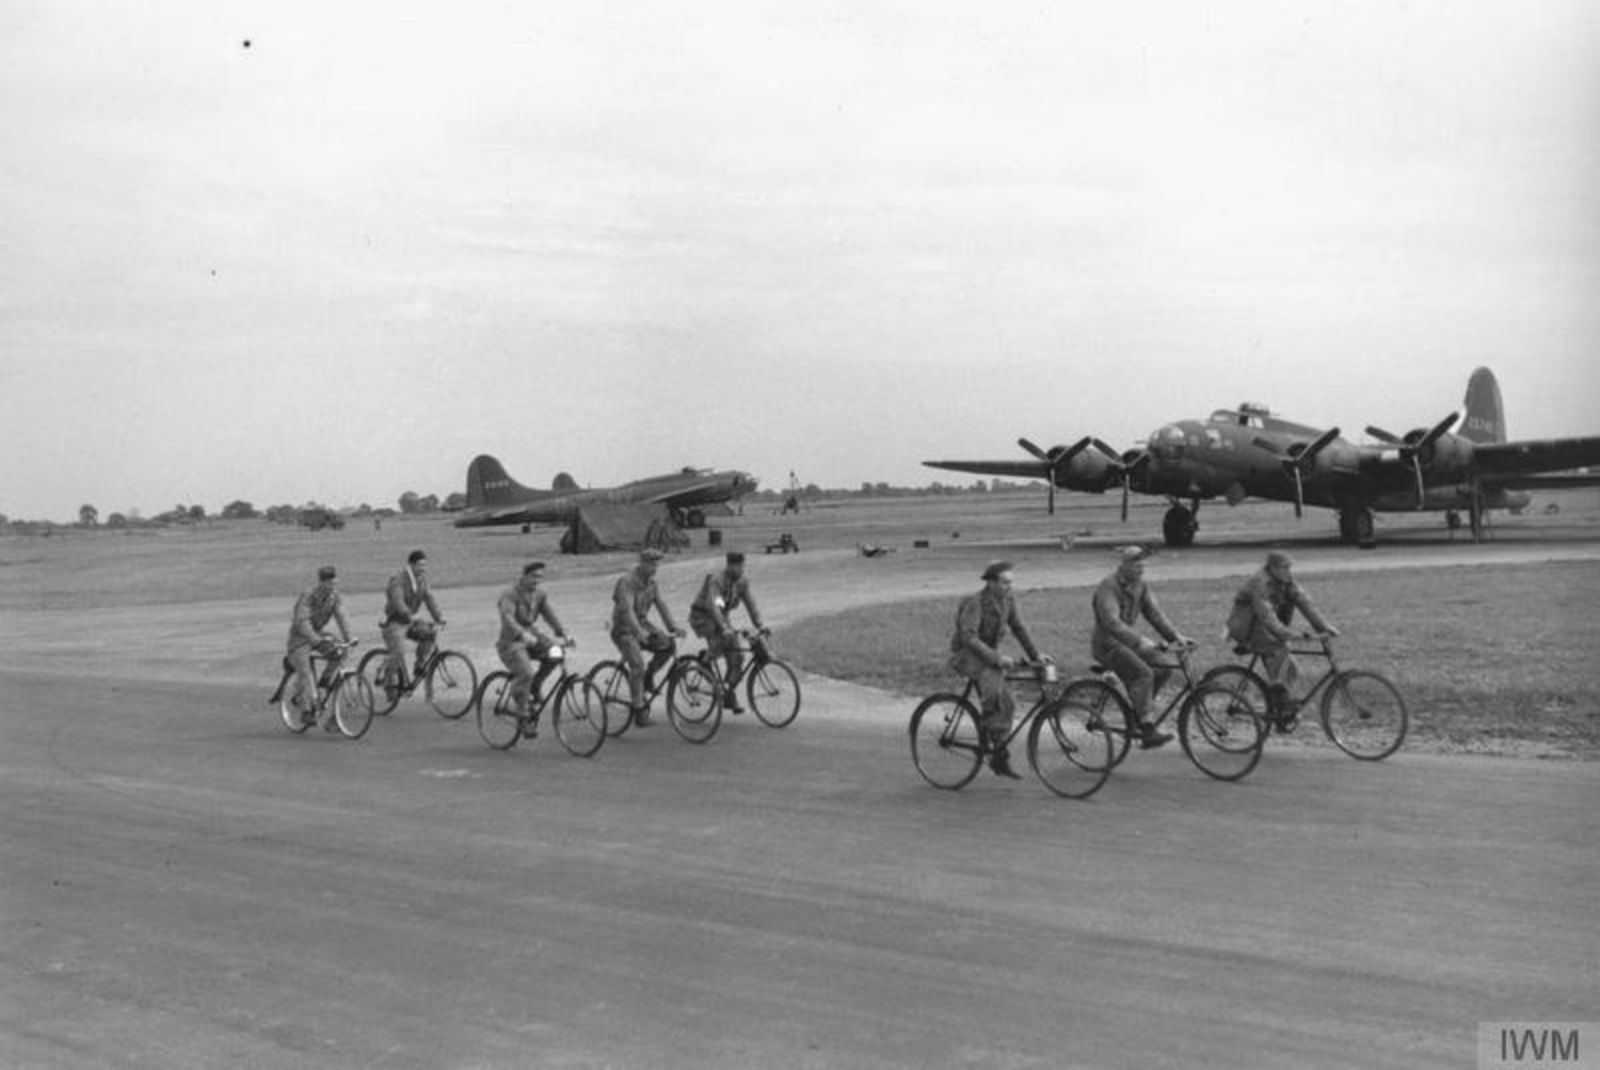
{"x":1545,"y":481}
{"x":698,"y":493}
{"x":1495,"y":460}
{"x":1019,"y":468}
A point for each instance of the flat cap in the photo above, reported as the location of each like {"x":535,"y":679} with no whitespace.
{"x":532,"y":567}
{"x":1133,"y":553}
{"x":327,"y":572}
{"x":994,"y":569}
{"x":1279,"y":559}
{"x":735,"y":557}
{"x":416,"y":555}
{"x":651,"y":554}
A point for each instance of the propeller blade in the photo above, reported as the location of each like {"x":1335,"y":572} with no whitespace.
{"x":1416,"y":467}
{"x":1050,"y":505}
{"x":1322,"y":442}
{"x":1384,"y":436}
{"x":1299,"y":495}
{"x":1035,"y":450}
{"x":1125,"y":497}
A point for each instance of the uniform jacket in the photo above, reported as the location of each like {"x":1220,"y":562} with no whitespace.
{"x":719,"y":596}
{"x":1264,"y":607}
{"x":630,"y":606}
{"x":520,"y":610}
{"x":981,"y":621}
{"x":315,"y":607}
{"x":1118,"y":605}
{"x":408,"y":592}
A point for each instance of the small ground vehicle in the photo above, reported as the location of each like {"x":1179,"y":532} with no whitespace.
{"x":577,"y":710}
{"x":1069,"y":745}
{"x":448,"y":680}
{"x":343,"y":701}
{"x":1362,"y":712}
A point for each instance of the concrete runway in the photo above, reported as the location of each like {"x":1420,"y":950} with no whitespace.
{"x":186,"y":884}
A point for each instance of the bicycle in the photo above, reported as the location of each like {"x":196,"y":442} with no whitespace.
{"x":1073,"y":758}
{"x":578,"y":711}
{"x":343,"y":699}
{"x":448,"y":679}
{"x":1220,"y":734}
{"x":771,"y":687}
{"x":1362,"y":711}
{"x":688,"y":682}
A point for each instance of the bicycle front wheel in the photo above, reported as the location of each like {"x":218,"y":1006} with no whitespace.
{"x":580,"y":716}
{"x":352,"y":705}
{"x":371,"y":669}
{"x":694,"y":701}
{"x":946,"y":744}
{"x":1364,"y":714}
{"x":1070,"y":746}
{"x":451,"y":685}
{"x":498,"y":722}
{"x":1221,"y":731}
{"x":774,"y":692}
{"x":612,"y":680}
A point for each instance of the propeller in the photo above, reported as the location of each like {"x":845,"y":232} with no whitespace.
{"x":1057,"y":459}
{"x":1049,"y":475}
{"x":1415,"y":444}
{"x":1299,"y":462}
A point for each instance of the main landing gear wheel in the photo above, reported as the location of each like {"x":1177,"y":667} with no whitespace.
{"x":1179,"y":526}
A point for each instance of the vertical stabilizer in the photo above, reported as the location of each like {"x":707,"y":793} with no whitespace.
{"x":489,"y":486}
{"x":1485,"y":416}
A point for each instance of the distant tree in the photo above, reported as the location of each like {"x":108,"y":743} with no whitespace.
{"x":282,"y":514}
{"x":117,"y":522}
{"x":428,"y":504}
{"x":88,"y":516}
{"x":408,"y":502}
{"x":455,"y":502}
{"x":197,"y":513}
{"x":239,"y":510}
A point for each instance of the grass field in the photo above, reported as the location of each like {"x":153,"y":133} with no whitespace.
{"x":1490,"y":660}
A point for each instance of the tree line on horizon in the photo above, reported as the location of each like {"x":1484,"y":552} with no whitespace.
{"x":316,"y":515}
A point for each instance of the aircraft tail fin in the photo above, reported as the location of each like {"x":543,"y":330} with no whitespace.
{"x":1485,"y":419}
{"x":564,"y":482}
{"x":488,"y":485}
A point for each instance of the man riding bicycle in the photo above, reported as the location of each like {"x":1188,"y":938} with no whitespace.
{"x":1259,"y":623}
{"x":721,"y":594}
{"x":315,"y":607}
{"x":521,"y":643}
{"x":981,"y":622}
{"x":408,"y":592}
{"x":1120,"y":600}
{"x":633,"y":633}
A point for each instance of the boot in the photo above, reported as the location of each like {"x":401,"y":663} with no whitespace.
{"x":1151,"y":737}
{"x":1000,"y":762}
{"x":641,"y":717}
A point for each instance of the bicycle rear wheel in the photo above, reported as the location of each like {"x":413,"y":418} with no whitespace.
{"x":1244,"y":688}
{"x":498,"y":722}
{"x":946,"y":745}
{"x":352,"y":705}
{"x":295,"y":718}
{"x":451,"y":685}
{"x":580,"y":716}
{"x":774,"y":692}
{"x":1222,"y":733}
{"x":1364,"y":714}
{"x":384,"y":698}
{"x":694,"y":700}
{"x":1070,"y":746}
{"x":612,"y":680}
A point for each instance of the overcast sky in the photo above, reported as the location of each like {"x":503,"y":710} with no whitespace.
{"x":288,"y":250}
